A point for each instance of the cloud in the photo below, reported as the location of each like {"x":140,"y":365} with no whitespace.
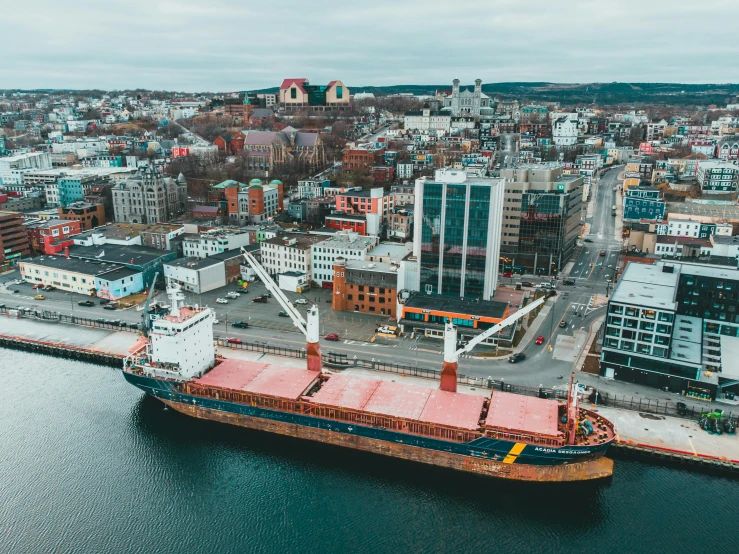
{"x":240,"y":44}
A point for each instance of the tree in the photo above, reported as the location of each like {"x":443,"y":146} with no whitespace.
{"x":92,"y":113}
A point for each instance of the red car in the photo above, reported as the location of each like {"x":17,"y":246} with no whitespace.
{"x":331,"y":336}
{"x":507,"y":274}
{"x":233,"y":340}
{"x":540,"y":339}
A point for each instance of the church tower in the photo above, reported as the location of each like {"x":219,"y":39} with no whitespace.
{"x":477,"y":97}
{"x":455,"y":97}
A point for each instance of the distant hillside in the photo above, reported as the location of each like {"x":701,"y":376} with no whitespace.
{"x":599,"y":93}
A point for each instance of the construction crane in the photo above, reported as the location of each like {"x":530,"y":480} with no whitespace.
{"x":309,"y":328}
{"x":451,"y":355}
{"x":146,"y":324}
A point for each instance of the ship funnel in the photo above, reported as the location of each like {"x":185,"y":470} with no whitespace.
{"x":449,"y":369}
{"x":313,"y":346}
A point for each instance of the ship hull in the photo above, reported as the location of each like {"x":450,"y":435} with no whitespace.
{"x":484,"y":456}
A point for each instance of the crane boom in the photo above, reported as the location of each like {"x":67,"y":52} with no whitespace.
{"x":146,"y":323}
{"x":503,"y":324}
{"x":276,"y":291}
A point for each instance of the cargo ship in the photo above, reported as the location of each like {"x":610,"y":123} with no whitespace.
{"x":502,"y":434}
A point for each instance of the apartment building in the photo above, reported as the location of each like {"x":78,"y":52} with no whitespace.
{"x":53,"y":235}
{"x":347,"y":245}
{"x":149,"y":198}
{"x":717,"y":177}
{"x":375,"y":204}
{"x":13,"y":168}
{"x":291,"y":252}
{"x":427,"y":120}
{"x":216,"y":241}
{"x":667,"y":325}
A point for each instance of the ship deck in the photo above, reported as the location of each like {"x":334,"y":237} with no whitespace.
{"x":528,"y":414}
{"x":401,"y":401}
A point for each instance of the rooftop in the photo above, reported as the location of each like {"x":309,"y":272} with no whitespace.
{"x":76,"y":265}
{"x":347,"y":241}
{"x":131,"y":254}
{"x":483,"y":308}
{"x":717,"y":211}
{"x":302,"y":242}
{"x":127,"y":230}
{"x":647,"y":285}
{"x":194,"y":263}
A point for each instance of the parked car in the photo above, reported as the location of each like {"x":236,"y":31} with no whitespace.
{"x":260,"y":299}
{"x":216,"y":322}
{"x":301,"y":301}
{"x":39,"y":297}
{"x":602,"y":252}
{"x":134,"y":325}
{"x":517,"y":357}
{"x":540,"y":339}
{"x":283,"y":314}
{"x":109,"y":307}
{"x":331,"y":336}
{"x":232,"y":294}
{"x":506,"y":274}
{"x":87,"y":303}
{"x":234,"y":340}
{"x":563,"y":324}
{"x":267,"y":295}
{"x":240,"y":324}
{"x":100,"y":320}
{"x":105,"y":301}
{"x":48,"y":288}
{"x":587,"y":240}
{"x":527,"y":284}
{"x":39,"y":286}
{"x":221,"y":301}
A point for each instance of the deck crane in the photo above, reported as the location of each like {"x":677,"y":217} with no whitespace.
{"x":309,"y":328}
{"x":451,"y":356}
{"x":146,"y":323}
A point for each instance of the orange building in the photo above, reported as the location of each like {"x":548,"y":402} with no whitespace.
{"x":89,"y":215}
{"x":427,"y":314}
{"x":362,"y":286}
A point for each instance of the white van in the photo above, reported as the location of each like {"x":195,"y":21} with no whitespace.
{"x":547,"y":285}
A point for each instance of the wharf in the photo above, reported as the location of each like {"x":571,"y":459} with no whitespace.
{"x":656,"y":437}
{"x":671,"y":439}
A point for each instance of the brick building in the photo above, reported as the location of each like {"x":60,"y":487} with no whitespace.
{"x":368,"y":287}
{"x":52,"y":236}
{"x":13,"y":238}
{"x":361,"y":159}
{"x":347,"y":222}
{"x":89,"y":215}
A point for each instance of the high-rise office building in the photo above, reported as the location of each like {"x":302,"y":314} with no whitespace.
{"x":541,"y":218}
{"x":457,"y":234}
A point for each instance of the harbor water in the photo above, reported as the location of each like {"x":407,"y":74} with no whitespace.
{"x":88,"y":464}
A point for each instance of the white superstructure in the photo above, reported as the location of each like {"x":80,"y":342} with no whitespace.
{"x":181,"y":343}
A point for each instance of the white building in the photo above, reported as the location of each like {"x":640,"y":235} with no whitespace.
{"x":348,"y":245}
{"x":426,"y":120}
{"x":288,"y":253}
{"x":12,"y":168}
{"x":213,"y":242}
{"x":404,"y":170}
{"x":564,"y":129}
{"x":195,"y":274}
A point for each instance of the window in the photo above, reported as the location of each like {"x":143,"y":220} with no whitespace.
{"x":350,"y":297}
{"x":339,"y":92}
{"x":361,"y":297}
{"x":293,"y":93}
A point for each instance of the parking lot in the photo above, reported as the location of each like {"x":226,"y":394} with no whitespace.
{"x":348,"y":325}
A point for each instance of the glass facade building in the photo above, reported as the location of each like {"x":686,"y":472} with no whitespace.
{"x":457,"y":235}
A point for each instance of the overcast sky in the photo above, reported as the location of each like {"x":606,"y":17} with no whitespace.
{"x":227,"y":45}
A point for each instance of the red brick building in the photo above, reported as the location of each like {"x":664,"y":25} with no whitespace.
{"x":230,"y":143}
{"x":350,"y":222}
{"x":360,"y":159}
{"x":368,"y":287}
{"x":383,"y":173}
{"x":13,"y":238}
{"x":52,"y":236}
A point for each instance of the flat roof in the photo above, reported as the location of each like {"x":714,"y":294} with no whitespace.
{"x":486,"y":308}
{"x":647,"y":285}
{"x":260,"y":378}
{"x":529,"y":414}
{"x":132,"y":254}
{"x":391,"y":250}
{"x":194,"y":263}
{"x":719,"y":211}
{"x":127,"y":230}
{"x":77,"y":265}
{"x":398,"y":400}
